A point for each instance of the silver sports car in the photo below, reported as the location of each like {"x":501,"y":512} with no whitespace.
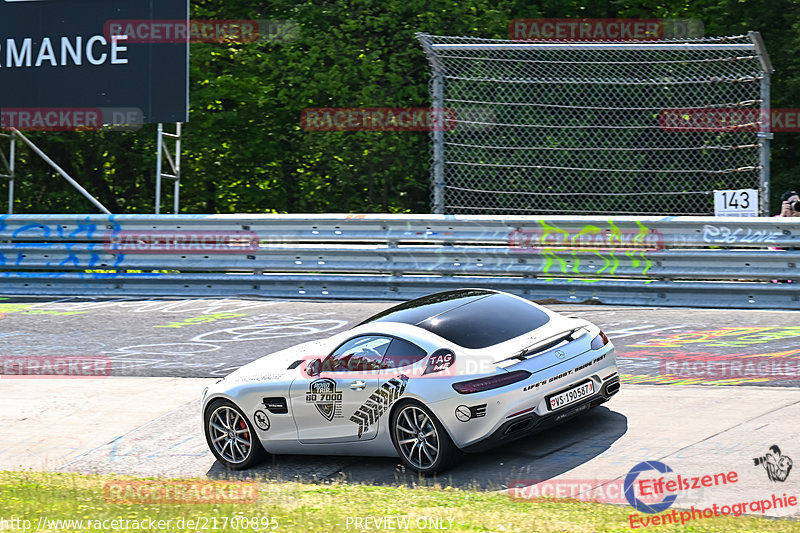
{"x":426,"y":381}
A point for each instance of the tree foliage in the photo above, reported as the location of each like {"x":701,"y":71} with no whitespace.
{"x":244,"y":148}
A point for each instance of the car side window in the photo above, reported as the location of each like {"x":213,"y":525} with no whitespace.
{"x":358,"y":354}
{"x":402,"y":353}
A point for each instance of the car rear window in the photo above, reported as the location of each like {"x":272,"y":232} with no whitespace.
{"x":402,"y":353}
{"x":486,"y":321}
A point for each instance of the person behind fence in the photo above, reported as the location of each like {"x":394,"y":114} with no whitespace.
{"x":790,"y":204}
{"x":790,"y":207}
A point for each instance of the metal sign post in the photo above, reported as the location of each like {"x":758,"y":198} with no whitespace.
{"x":8,"y":164}
{"x":62,"y":172}
{"x":174,"y":163}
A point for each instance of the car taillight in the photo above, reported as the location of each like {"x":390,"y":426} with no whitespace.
{"x":599,"y":341}
{"x":492,"y":382}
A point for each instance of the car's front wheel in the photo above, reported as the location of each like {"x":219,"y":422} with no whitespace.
{"x":420,"y":439}
{"x":231,"y":437}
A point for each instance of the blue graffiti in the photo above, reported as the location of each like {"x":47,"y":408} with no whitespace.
{"x":81,"y":252}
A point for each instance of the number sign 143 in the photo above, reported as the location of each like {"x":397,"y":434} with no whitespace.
{"x":740,"y":203}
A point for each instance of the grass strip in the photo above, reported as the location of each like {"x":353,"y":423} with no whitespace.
{"x":33,"y":501}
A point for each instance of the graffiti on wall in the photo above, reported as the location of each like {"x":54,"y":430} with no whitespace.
{"x":591,"y":249}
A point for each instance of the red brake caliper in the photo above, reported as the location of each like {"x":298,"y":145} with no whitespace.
{"x":242,"y":425}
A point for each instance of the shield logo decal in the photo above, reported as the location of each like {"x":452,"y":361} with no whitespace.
{"x":323,"y":393}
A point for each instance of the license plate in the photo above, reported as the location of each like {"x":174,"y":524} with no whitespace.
{"x":572,"y":395}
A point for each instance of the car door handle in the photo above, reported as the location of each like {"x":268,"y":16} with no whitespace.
{"x":358,"y":385}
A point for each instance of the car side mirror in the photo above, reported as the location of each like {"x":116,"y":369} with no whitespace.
{"x":313,"y":367}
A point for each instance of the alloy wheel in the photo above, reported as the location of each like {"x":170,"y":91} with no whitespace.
{"x":229,"y":434}
{"x":417,"y":438}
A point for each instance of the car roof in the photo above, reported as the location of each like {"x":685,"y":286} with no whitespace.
{"x":472,"y":318}
{"x":420,"y":309}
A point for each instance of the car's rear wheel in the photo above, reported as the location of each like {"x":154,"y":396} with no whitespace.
{"x":230,"y":436}
{"x":421,"y":440}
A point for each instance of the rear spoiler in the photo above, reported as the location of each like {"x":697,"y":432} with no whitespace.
{"x":547,"y":344}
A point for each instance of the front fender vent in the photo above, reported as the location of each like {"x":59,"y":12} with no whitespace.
{"x":276,"y":405}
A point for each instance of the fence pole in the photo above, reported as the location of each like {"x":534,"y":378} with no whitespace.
{"x":764,"y":133}
{"x":764,"y":136}
{"x":438,"y":145}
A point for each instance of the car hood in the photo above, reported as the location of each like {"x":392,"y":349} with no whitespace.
{"x":276,"y":366}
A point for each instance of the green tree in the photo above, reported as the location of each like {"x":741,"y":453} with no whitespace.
{"x":245,"y":150}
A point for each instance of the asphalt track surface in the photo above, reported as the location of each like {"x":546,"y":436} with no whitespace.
{"x":211,"y":338}
{"x":163,"y":351}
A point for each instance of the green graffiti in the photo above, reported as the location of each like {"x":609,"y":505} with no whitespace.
{"x":25,"y":309}
{"x":549,"y":256}
{"x":13,"y":308}
{"x":200,"y":320}
{"x":587,"y":230}
{"x":548,"y":229}
{"x":640,"y":238}
{"x":556,"y":243}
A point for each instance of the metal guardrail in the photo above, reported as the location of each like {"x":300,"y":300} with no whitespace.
{"x":684,"y":261}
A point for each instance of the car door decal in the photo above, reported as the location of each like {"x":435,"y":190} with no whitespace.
{"x":328,"y":401}
{"x":378,"y":403}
